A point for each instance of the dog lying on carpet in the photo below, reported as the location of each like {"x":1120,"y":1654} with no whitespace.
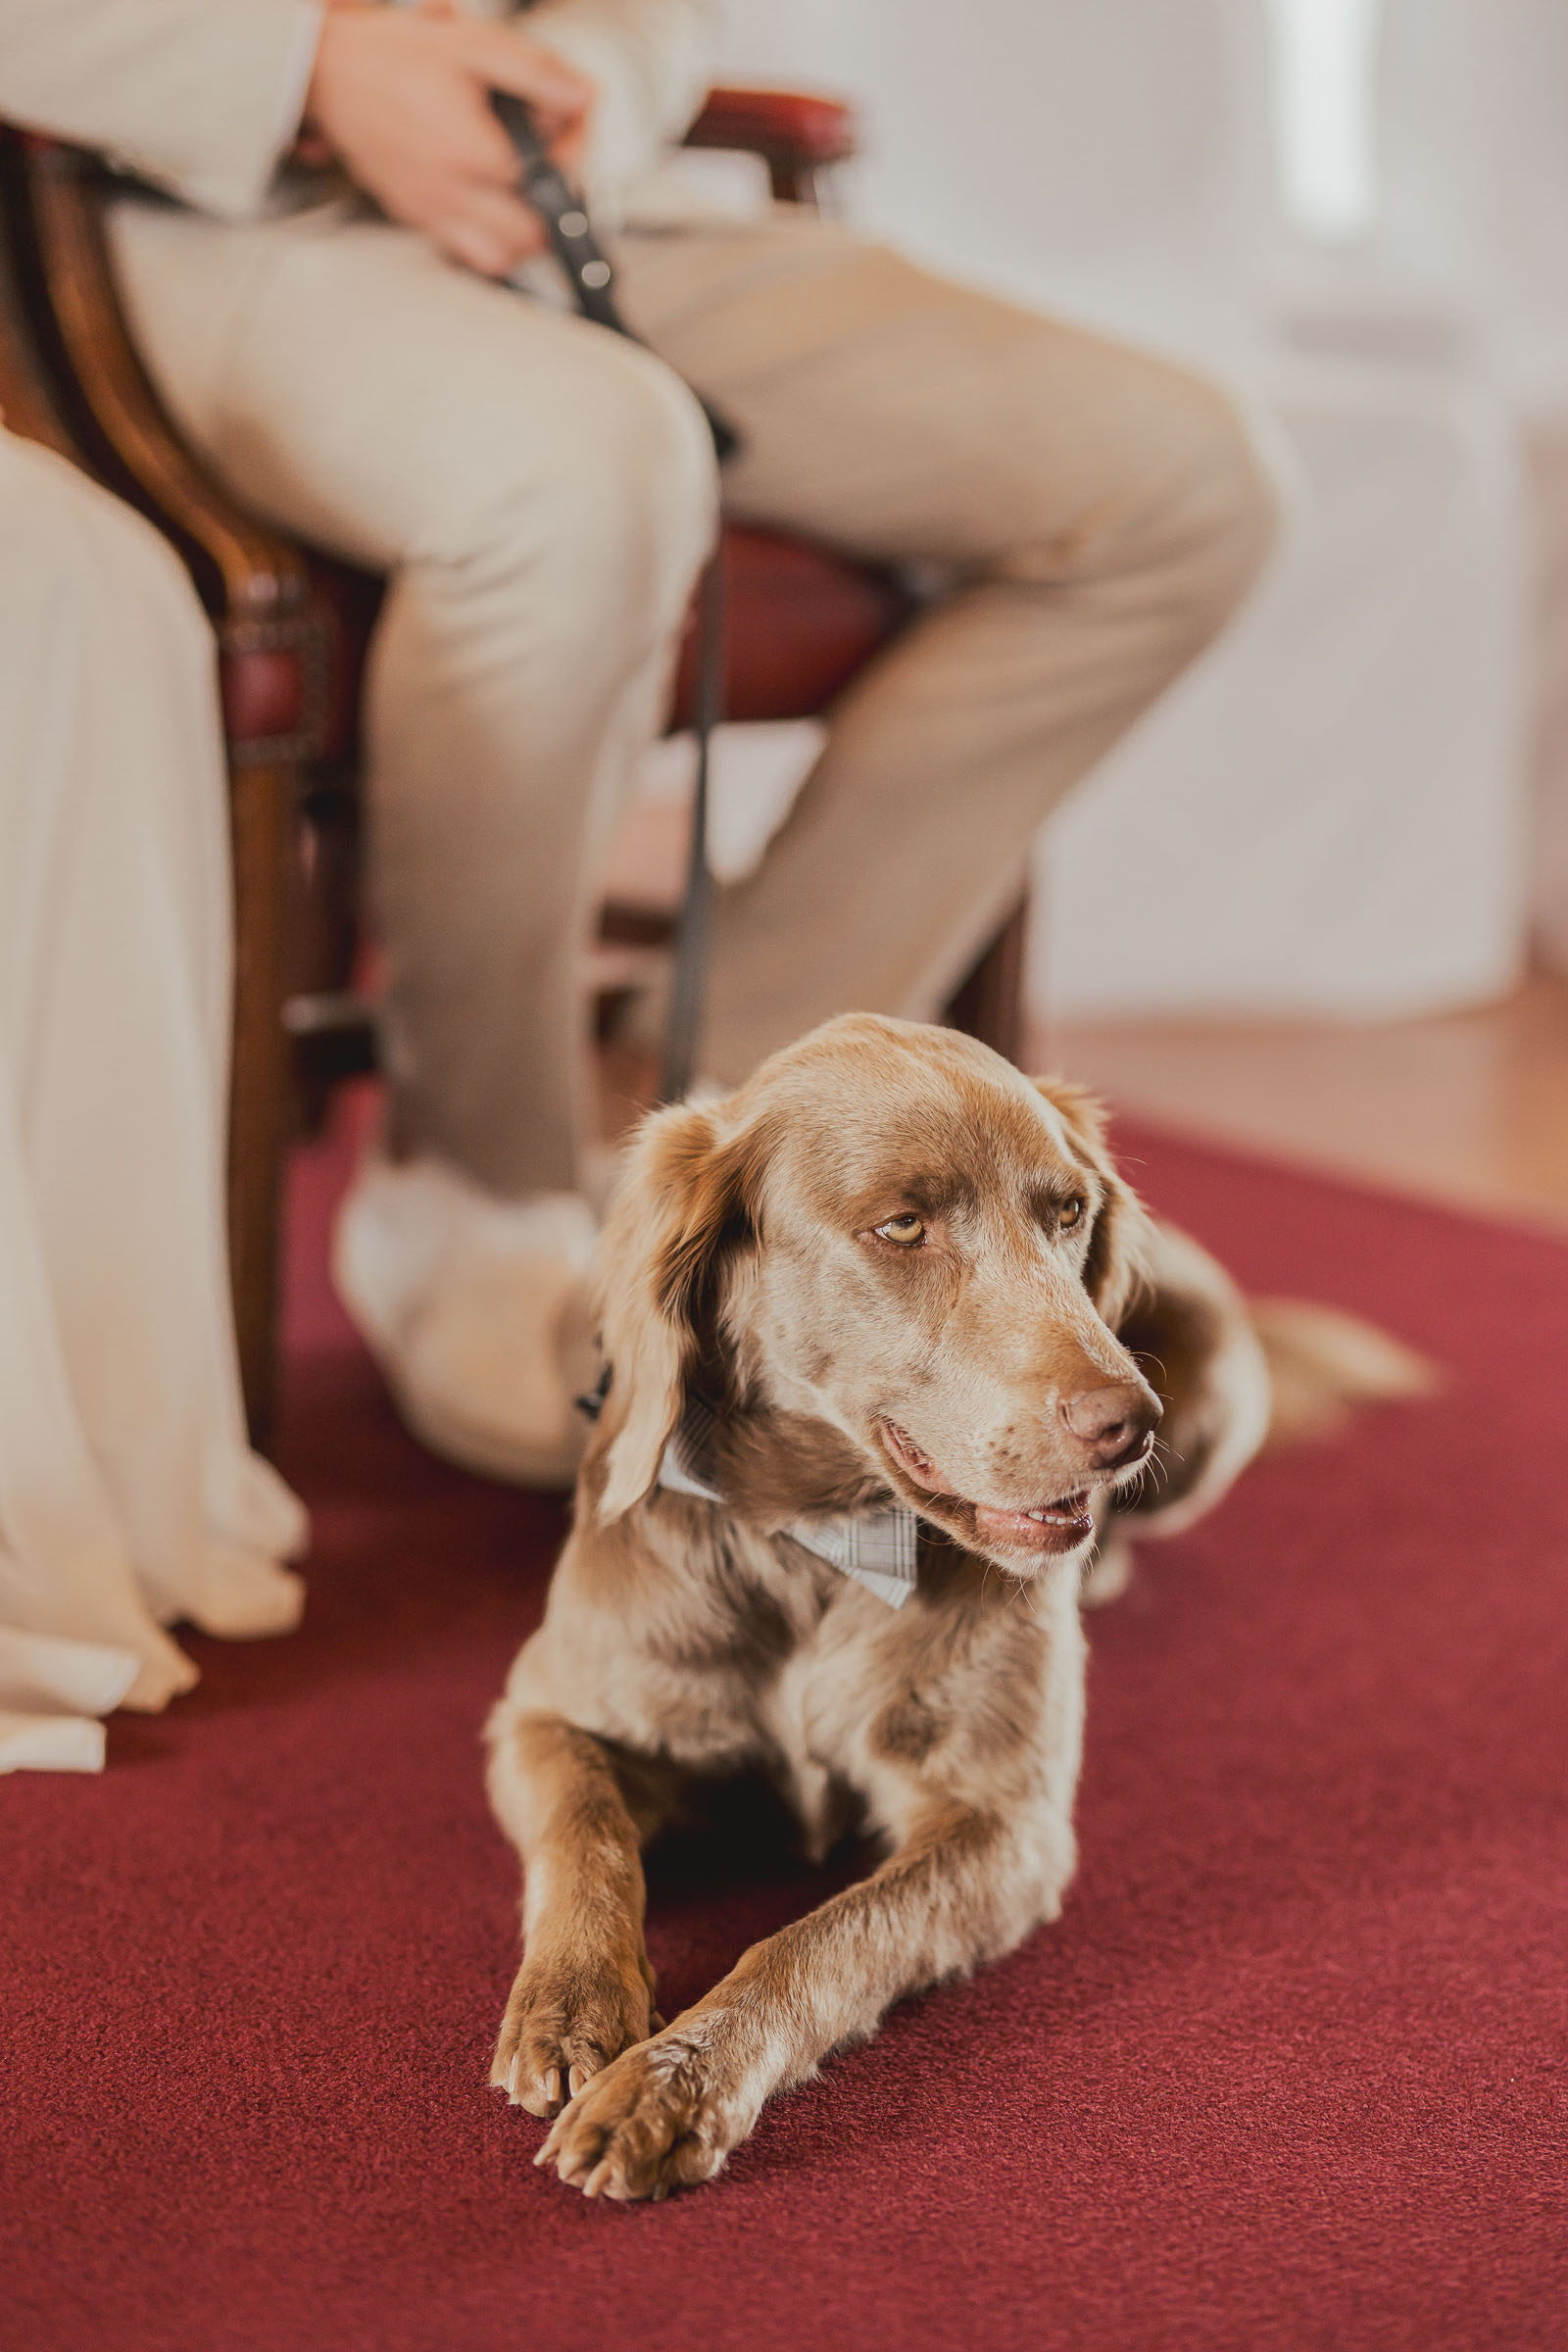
{"x":877,"y":1329}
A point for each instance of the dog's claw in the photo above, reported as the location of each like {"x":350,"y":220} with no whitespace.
{"x":558,"y":2034}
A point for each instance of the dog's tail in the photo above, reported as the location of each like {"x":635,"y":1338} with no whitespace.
{"x":1323,"y":1364}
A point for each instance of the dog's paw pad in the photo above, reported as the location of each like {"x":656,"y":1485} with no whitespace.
{"x":653,"y":2120}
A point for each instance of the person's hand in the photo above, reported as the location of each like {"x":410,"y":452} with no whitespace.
{"x":401,"y":98}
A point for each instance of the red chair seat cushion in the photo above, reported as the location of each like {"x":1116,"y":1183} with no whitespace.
{"x":800,"y":622}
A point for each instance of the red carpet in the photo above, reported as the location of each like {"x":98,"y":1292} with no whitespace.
{"x":1290,"y":2074}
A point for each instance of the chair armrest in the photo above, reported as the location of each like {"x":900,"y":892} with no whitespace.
{"x":796,"y":134}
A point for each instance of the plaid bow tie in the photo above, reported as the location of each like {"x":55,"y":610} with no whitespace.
{"x":878,"y":1548}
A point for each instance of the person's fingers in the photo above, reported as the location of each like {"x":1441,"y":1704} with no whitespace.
{"x":488,"y":153}
{"x":476,"y":250}
{"x":504,"y":59}
{"x":569,"y":147}
{"x":402,"y":100}
{"x":488,"y":229}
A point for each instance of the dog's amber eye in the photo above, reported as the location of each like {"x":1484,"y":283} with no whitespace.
{"x":906,"y":1230}
{"x":1071,"y":1215}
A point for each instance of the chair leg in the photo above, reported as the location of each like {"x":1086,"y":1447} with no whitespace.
{"x":263,"y":804}
{"x":989,"y":1003}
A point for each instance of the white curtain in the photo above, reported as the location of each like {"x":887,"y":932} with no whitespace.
{"x":129,"y":1500}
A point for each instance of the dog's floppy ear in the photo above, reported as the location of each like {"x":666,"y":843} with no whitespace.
{"x":682,"y":1196}
{"x":1115,"y":1269}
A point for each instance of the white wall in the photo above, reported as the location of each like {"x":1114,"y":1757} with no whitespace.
{"x":1323,"y":819}
{"x":986,"y":148}
{"x":972,"y":125}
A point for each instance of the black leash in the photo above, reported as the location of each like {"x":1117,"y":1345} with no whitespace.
{"x":576,"y":247}
{"x":592,"y":280}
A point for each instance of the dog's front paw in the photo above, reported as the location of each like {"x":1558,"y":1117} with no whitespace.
{"x":564,"y":2021}
{"x":658,"y":2118}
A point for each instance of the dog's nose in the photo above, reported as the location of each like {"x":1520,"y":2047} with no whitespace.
{"x":1112,"y":1424}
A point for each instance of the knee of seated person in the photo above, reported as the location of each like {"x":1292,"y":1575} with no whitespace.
{"x":644,"y":480}
{"x":625,"y":512}
{"x":1190,"y":493}
{"x":1206,"y":510}
{"x":1231,"y":507}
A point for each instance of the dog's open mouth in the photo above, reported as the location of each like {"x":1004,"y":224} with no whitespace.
{"x":1058,"y":1526}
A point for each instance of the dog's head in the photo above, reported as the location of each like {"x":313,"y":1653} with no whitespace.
{"x":891,"y":1231}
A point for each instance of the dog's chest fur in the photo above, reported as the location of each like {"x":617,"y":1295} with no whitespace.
{"x":685,"y":1635}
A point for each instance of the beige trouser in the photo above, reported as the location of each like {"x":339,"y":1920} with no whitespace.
{"x":542,"y":494}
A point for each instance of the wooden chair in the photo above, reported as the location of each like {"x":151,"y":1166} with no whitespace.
{"x":293,"y":629}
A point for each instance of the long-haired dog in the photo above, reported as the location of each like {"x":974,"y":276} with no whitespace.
{"x":889,"y":1342}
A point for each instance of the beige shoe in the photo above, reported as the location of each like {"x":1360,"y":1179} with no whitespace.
{"x":476,"y":1311}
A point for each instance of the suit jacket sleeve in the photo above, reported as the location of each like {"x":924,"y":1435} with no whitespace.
{"x":653,"y":61}
{"x":202,"y":97}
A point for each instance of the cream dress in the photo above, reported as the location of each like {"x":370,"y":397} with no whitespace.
{"x":129,"y":1500}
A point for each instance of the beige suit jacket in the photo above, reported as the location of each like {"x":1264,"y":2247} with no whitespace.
{"x":203,"y":97}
